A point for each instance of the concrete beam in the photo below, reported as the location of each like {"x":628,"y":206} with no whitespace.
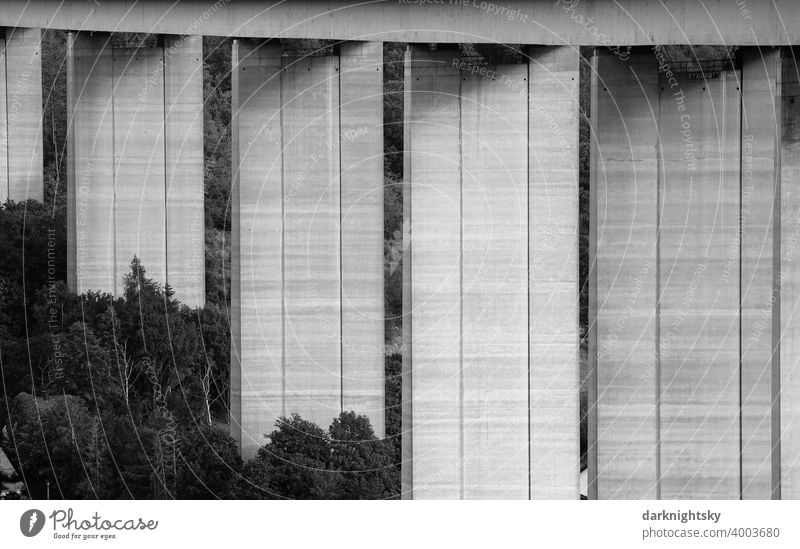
{"x":183,"y":142}
{"x":138,"y":162}
{"x":494,"y":284}
{"x":788,"y":397}
{"x":761,"y":122}
{"x":135,"y":150}
{"x":3,"y":125}
{"x":361,"y":211}
{"x":257,"y":309}
{"x":432,"y":123}
{"x":704,"y":423}
{"x":493,"y":277}
{"x":21,"y":115}
{"x":624,"y":220}
{"x":699,"y":287}
{"x":553,"y":273}
{"x":599,"y":23}
{"x":91,"y":263}
{"x":311,"y":241}
{"x":308,"y":238}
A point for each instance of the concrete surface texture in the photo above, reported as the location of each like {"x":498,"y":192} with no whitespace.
{"x":183,"y":142}
{"x":553,"y":272}
{"x":787,"y":422}
{"x":136,"y":165}
{"x":624,"y":170}
{"x":21,"y":115}
{"x":307,"y":247}
{"x":562,"y":22}
{"x":760,"y":266}
{"x":494,"y":409}
{"x":685,"y":181}
{"x":699,"y":289}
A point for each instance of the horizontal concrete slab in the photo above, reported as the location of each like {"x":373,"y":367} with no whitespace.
{"x":570,"y":22}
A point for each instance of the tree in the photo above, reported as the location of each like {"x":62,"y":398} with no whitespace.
{"x":131,"y":455}
{"x":298,"y":456}
{"x":394,"y":409}
{"x":81,"y":367}
{"x":217,"y":157}
{"x":214,"y":370}
{"x":55,"y":441}
{"x":208,"y":464}
{"x":301,"y":461}
{"x":254,"y":482}
{"x":393,"y":77}
{"x":54,"y":116}
{"x":363,"y":462}
{"x":34,"y":252}
{"x":161,"y":340}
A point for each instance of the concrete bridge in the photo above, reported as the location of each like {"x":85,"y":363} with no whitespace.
{"x":694,"y":223}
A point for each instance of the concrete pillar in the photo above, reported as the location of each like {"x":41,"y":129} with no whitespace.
{"x":307,"y":292}
{"x":494,"y":284}
{"x":136,"y":165}
{"x":21,"y":115}
{"x":137,"y":84}
{"x":183,"y":150}
{"x":492,"y":364}
{"x":685,"y":278}
{"x":257,"y":308}
{"x":760,"y":267}
{"x":788,"y":401}
{"x":361,"y":157}
{"x":623,"y":450}
{"x":91,"y":261}
{"x":553,"y":267}
{"x":433,"y":178}
{"x":699,"y":287}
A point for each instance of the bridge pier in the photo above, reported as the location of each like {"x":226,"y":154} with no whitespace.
{"x":786,"y":273}
{"x":307,"y":237}
{"x":491,"y":363}
{"x":21,"y":115}
{"x":685,"y":285}
{"x":135,"y":149}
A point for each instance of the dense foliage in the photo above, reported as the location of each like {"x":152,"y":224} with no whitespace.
{"x":127,"y":398}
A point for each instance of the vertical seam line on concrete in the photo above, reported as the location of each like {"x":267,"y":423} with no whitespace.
{"x":341,"y":234}
{"x":166,"y":158}
{"x":657,"y":339}
{"x":528,"y":254}
{"x":742,"y":115}
{"x":283,"y":232}
{"x":461,"y":279}
{"x":776,"y":280}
